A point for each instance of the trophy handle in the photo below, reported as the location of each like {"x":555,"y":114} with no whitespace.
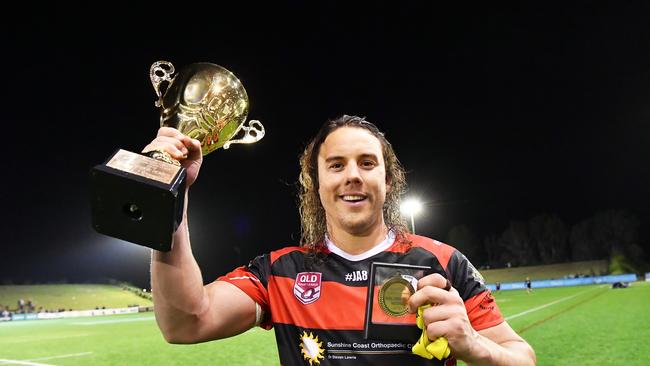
{"x":160,"y":71}
{"x":253,"y":133}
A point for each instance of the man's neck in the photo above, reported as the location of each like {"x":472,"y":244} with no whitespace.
{"x":357,"y":243}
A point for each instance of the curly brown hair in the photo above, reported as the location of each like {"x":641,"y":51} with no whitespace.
{"x":312,"y":213}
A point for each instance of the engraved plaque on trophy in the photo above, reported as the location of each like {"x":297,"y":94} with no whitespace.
{"x":139,"y":197}
{"x":389,"y":288}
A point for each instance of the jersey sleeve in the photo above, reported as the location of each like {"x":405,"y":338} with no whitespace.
{"x":253,"y":280}
{"x":481,"y":306}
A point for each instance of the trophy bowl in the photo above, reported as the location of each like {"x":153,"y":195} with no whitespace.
{"x":206,"y":102}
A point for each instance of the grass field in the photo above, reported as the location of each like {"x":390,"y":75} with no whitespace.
{"x":585,"y":325}
{"x":76,"y":297}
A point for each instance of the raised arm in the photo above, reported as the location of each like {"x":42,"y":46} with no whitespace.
{"x":186,"y":310}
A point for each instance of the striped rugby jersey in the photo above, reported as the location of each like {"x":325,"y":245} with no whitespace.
{"x":317,"y":307}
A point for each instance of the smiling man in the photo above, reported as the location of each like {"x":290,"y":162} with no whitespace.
{"x":352,"y":187}
{"x":314,"y":295}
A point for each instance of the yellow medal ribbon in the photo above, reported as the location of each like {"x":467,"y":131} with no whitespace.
{"x":439,"y":348}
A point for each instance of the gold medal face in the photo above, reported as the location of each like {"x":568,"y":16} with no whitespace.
{"x":394,"y":295}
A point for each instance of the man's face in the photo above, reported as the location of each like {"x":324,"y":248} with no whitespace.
{"x":352,"y":180}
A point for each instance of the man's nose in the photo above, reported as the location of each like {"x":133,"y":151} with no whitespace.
{"x":352,"y":173}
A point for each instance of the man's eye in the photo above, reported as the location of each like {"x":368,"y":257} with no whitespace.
{"x":368,"y":163}
{"x":336,"y":166}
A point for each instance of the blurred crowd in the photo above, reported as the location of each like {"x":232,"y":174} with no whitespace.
{"x":24,"y":307}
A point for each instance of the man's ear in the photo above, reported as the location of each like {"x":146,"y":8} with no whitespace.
{"x":389,"y":183}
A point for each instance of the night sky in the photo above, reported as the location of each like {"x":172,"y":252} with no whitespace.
{"x":497,"y":114}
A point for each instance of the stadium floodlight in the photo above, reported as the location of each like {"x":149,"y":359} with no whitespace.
{"x":411,"y":207}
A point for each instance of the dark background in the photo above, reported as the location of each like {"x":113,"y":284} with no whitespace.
{"x":498,"y":113}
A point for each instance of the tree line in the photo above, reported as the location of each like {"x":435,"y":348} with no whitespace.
{"x":546,"y":239}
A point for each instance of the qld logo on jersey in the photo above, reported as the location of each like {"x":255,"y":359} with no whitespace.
{"x":307,"y":287}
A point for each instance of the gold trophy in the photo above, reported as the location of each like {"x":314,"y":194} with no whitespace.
{"x":139,"y":198}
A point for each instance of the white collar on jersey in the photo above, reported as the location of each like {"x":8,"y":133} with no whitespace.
{"x":385,"y":244}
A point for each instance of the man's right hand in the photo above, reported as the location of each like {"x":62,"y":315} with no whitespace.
{"x":180,"y":147}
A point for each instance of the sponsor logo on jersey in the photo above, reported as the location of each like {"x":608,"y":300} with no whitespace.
{"x":475,"y":273}
{"x":311,"y":348}
{"x":488,"y":302}
{"x":307,"y":287}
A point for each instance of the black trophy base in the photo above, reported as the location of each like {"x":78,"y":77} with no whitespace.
{"x":137,"y":199}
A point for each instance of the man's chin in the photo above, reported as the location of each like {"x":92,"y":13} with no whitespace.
{"x":359,"y":227}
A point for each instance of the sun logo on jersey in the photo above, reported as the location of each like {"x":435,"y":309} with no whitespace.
{"x":311,"y":348}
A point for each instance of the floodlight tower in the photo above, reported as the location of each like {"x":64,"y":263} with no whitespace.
{"x":411,"y":207}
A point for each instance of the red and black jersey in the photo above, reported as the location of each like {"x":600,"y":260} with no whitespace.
{"x":317,"y":303}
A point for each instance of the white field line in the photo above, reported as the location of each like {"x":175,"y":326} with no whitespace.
{"x":113,"y":321}
{"x":31,"y":363}
{"x":62,"y":356}
{"x":548,"y":304}
{"x":16,"y":362}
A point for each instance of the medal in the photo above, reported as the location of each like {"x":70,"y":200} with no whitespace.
{"x":394,"y":295}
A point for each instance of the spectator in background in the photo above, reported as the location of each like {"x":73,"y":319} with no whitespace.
{"x":498,"y":285}
{"x":21,"y":305}
{"x":529,"y":287}
{"x":5,"y":312}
